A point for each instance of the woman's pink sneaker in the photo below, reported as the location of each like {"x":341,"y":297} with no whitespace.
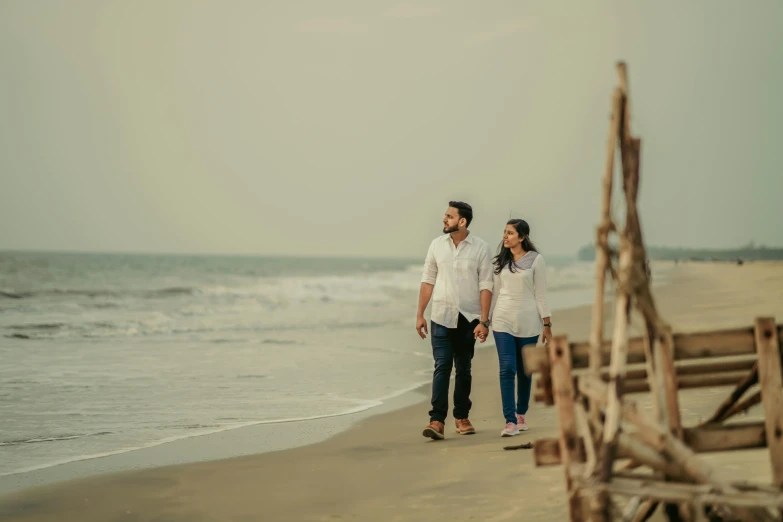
{"x":510,"y":430}
{"x":521,"y":423}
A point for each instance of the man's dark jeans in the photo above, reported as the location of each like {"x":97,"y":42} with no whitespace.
{"x":452,"y":347}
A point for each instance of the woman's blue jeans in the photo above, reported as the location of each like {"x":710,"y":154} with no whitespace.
{"x":513,"y":368}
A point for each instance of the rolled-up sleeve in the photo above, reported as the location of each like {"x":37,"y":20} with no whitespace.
{"x":430,"y":272}
{"x":539,"y":287}
{"x":495,"y":292}
{"x":485,"y":271}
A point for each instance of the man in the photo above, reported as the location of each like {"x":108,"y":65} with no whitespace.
{"x":458,"y":276}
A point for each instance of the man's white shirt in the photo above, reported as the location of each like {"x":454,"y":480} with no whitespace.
{"x":459,"y":275}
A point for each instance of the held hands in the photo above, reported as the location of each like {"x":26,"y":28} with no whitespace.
{"x":421,"y":324}
{"x":481,"y":332}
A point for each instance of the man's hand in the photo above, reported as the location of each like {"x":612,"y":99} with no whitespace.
{"x":421,"y":324}
{"x":481,"y":332}
{"x":547,"y":335}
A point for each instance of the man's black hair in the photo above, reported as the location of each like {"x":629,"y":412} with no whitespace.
{"x":464,"y":210}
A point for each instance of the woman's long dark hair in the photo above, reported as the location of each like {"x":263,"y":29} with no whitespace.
{"x":505,"y":258}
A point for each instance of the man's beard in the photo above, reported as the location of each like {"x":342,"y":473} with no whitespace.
{"x":447,"y":230}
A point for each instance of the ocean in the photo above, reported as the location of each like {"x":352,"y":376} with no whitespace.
{"x":107,"y":353}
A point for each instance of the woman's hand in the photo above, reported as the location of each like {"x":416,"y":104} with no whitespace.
{"x":547,"y":335}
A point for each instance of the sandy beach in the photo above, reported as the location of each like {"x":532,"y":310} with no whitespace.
{"x":381,"y":468}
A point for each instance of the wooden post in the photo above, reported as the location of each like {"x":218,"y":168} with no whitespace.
{"x":563,"y":387}
{"x":629,"y":149}
{"x":619,"y":356}
{"x":667,"y":379}
{"x":665,"y":364}
{"x":602,"y":260}
{"x":654,"y":378}
{"x":771,"y":392}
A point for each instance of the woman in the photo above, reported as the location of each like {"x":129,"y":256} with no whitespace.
{"x":519,"y":315}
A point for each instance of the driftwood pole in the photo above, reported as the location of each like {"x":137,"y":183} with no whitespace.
{"x":629,"y":148}
{"x":602,"y":250}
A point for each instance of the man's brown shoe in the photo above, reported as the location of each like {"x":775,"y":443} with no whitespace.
{"x":464,"y":427}
{"x":434,"y":430}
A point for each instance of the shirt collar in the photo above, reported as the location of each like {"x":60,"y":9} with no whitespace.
{"x":468,"y":239}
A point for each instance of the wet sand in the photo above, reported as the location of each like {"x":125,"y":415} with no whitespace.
{"x":383,"y":469}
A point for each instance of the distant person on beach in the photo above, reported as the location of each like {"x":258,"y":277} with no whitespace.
{"x":458,"y":278}
{"x":520,"y":314}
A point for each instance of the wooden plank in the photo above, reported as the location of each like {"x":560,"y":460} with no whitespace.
{"x":739,"y":365}
{"x":736,"y":365}
{"x":684,"y":383}
{"x":563,"y":387}
{"x":703,"y":439}
{"x":687,"y":346}
{"x":771,"y":392}
{"x":691,"y":381}
{"x":714,"y":438}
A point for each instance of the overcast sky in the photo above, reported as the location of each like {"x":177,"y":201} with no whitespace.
{"x":345,"y":127}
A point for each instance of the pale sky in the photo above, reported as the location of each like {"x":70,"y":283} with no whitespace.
{"x":344,"y":127}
